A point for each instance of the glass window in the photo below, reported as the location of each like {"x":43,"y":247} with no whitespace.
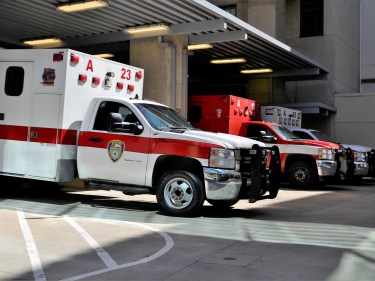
{"x":195,"y":113}
{"x":107,"y":107}
{"x":14,"y":79}
{"x":303,"y":135}
{"x":311,"y":18}
{"x":230,"y":9}
{"x":253,"y":132}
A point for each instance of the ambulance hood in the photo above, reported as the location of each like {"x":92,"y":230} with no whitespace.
{"x":324,"y":144}
{"x":225,"y":140}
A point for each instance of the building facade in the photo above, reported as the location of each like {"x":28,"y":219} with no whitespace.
{"x":339,"y":35}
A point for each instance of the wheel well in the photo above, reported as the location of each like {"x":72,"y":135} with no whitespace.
{"x":170,"y":162}
{"x":298,"y":157}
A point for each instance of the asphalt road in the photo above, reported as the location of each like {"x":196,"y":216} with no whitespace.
{"x":327,"y":233}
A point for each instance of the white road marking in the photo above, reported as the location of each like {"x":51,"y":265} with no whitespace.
{"x":32,"y":250}
{"x":168,"y":245}
{"x":105,"y":257}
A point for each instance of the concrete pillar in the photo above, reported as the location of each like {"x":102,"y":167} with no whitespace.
{"x":164,"y":60}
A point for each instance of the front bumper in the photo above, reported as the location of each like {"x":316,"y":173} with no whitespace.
{"x":361,"y":168}
{"x":222,"y":184}
{"x":326,"y":168}
{"x":259,"y":173}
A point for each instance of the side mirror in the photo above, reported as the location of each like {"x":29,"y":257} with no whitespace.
{"x":115,"y":124}
{"x":267,"y":139}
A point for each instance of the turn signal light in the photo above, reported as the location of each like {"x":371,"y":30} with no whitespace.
{"x":74,"y":59}
{"x":130,"y":88}
{"x":138,"y":75}
{"x":120,"y":85}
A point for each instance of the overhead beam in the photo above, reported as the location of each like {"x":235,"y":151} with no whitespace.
{"x":175,"y":29}
{"x":218,"y":37}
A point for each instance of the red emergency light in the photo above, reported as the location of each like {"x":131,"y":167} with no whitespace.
{"x":58,"y":57}
{"x":96,"y":80}
{"x":82,"y":77}
{"x":74,"y":58}
{"x":138,"y":75}
{"x":120,"y":85}
{"x":130,"y":88}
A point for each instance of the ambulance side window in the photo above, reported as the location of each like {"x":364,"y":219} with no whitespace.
{"x":107,"y":107}
{"x":14,"y":79}
{"x":253,"y":132}
{"x":195,"y":113}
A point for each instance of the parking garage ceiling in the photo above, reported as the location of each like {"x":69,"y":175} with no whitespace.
{"x":202,"y":21}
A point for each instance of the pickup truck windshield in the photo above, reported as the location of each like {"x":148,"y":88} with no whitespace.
{"x":285,"y":133}
{"x":163,"y":118}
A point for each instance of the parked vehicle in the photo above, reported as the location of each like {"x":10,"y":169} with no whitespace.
{"x":364,"y":156}
{"x":66,"y":115}
{"x":303,"y":162}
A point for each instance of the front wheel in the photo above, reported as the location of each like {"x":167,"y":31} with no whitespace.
{"x":180,"y":193}
{"x":302,"y":174}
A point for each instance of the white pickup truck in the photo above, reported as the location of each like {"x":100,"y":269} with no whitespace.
{"x":66,"y":115}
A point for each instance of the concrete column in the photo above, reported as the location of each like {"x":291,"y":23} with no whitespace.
{"x":164,"y":60}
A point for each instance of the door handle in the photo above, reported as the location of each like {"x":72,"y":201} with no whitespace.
{"x":94,"y":139}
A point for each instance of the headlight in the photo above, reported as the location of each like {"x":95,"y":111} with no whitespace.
{"x":222,"y":158}
{"x":325,"y":153}
{"x":359,"y":156}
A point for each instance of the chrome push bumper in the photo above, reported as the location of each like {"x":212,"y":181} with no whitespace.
{"x":361,"y":168}
{"x":258,"y":174}
{"x":326,"y":168}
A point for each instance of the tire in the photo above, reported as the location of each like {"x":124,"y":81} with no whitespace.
{"x":222,"y":204}
{"x":302,"y":174}
{"x":180,"y":193}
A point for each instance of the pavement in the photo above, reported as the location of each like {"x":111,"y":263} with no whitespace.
{"x":325,"y":233}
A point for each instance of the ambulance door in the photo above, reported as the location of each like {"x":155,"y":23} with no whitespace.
{"x":15,"y":96}
{"x":118,"y":157}
{"x":42,"y":152}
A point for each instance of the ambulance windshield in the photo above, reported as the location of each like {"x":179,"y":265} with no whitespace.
{"x":285,"y":133}
{"x":163,"y":118}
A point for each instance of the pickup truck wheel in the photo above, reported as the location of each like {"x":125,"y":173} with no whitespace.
{"x":180,"y":193}
{"x":302,"y":174}
{"x":222,"y":204}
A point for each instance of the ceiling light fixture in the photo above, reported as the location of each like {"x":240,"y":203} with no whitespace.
{"x":257,"y":70}
{"x":44,"y":41}
{"x":226,"y":61}
{"x":146,"y":28}
{"x":105,"y":55}
{"x":80,"y":6}
{"x":199,"y":47}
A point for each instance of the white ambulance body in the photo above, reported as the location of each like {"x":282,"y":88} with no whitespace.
{"x":44,"y":96}
{"x":64,"y":115}
{"x":287,"y":117}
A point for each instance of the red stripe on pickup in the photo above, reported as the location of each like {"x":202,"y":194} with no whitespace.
{"x":146,"y":145}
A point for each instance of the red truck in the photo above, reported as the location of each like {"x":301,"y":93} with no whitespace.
{"x":303,"y":162}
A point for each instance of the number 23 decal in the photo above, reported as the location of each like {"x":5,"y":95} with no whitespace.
{"x":126,"y":74}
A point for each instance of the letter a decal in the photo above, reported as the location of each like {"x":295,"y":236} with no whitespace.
{"x":89,"y":66}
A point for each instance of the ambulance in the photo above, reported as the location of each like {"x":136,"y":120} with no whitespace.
{"x":304,"y":163}
{"x":66,"y":115}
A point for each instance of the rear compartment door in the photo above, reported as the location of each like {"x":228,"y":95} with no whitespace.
{"x":15,"y":95}
{"x":43,"y":138}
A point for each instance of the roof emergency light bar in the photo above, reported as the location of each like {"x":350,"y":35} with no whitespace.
{"x":79,"y":6}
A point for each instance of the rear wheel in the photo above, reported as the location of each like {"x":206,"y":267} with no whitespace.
{"x":180,"y":193}
{"x":302,"y":174}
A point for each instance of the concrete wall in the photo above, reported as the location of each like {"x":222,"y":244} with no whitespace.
{"x":337,"y":49}
{"x":355,"y":120}
{"x":167,"y":57}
